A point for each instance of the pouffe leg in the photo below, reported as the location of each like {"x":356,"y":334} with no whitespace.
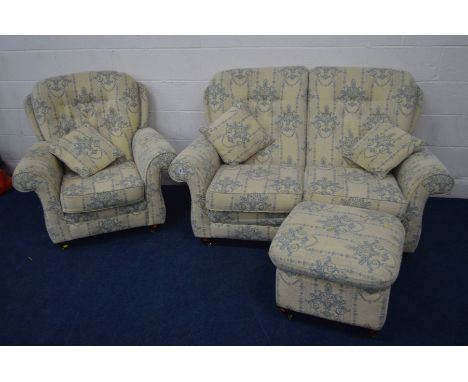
{"x":333,"y":301}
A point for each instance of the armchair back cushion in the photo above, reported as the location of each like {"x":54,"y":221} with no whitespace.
{"x":113,"y":103}
{"x":277,"y":98}
{"x":345,"y":103}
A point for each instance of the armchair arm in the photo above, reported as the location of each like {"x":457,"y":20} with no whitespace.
{"x":151,"y":149}
{"x":42,"y":172}
{"x":420,"y":176}
{"x":197,"y":165}
{"x":152,"y":153}
{"x":38,"y":171}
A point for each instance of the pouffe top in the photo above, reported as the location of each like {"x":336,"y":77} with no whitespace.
{"x":343,"y":244}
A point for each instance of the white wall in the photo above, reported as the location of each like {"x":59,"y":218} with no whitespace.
{"x":176,"y":69}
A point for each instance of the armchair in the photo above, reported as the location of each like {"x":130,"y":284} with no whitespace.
{"x":127,"y":193}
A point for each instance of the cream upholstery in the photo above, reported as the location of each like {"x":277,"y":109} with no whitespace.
{"x":354,"y":187}
{"x":116,"y":186}
{"x":255,"y":188}
{"x":340,"y":107}
{"x":126,"y":194}
{"x":337,"y":262}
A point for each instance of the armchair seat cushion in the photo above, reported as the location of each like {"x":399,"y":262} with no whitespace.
{"x":255,"y":188}
{"x":354,"y":187}
{"x":117,"y":185}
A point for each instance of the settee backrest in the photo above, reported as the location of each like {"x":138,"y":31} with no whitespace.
{"x":344,"y":103}
{"x":277,"y":97}
{"x":112,"y":102}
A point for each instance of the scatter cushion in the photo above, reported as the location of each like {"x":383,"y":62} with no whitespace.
{"x":85,"y":151}
{"x":340,"y":244}
{"x":255,"y":188}
{"x":354,"y":187}
{"x":383,"y":148}
{"x":118,"y":185}
{"x":236,"y":135}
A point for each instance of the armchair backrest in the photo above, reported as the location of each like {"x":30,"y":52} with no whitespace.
{"x":112,"y":102}
{"x":344,"y":103}
{"x":277,"y":98}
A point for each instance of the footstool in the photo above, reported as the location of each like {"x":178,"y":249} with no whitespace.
{"x":337,"y":262}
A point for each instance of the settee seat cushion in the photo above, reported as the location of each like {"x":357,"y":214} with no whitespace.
{"x":255,"y":188}
{"x":117,"y":185}
{"x":354,"y":187}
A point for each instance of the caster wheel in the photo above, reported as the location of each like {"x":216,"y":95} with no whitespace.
{"x":372,"y":333}
{"x":153,"y":228}
{"x":208,"y":241}
{"x":288,"y":313}
{"x":64,"y":246}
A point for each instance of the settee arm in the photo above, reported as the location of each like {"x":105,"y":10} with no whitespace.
{"x":420,"y":176}
{"x":197,"y":165}
{"x":41,"y":172}
{"x":152,"y":154}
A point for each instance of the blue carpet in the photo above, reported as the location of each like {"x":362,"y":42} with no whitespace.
{"x":167,"y":288}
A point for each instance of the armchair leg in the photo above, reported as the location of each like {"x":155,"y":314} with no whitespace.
{"x":65,"y":245}
{"x":153,"y":228}
{"x":288,"y":313}
{"x":208,"y":241}
{"x":372,"y":333}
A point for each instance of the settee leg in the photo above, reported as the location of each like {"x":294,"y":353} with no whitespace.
{"x":65,"y":245}
{"x":208,"y":241}
{"x":288,"y":313}
{"x":153,"y":228}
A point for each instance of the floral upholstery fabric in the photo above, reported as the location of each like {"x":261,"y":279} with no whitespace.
{"x":152,"y":154}
{"x":345,"y":103}
{"x":277,"y":98}
{"x":337,"y":262}
{"x":41,"y":172}
{"x":249,"y":218}
{"x":236,"y":135}
{"x":383,"y":148}
{"x":196,"y":165}
{"x":116,"y":186}
{"x":85,"y":151}
{"x":331,"y":300}
{"x":344,"y":244}
{"x":420,"y":176}
{"x":354,"y":187}
{"x":111,"y":102}
{"x":107,"y":101}
{"x":255,"y":188}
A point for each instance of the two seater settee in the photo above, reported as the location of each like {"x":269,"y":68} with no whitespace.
{"x":312,"y":116}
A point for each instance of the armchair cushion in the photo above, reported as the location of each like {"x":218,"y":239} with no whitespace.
{"x":236,"y":135}
{"x":116,"y":186}
{"x":383,"y":148}
{"x":255,"y":188}
{"x":354,"y":187}
{"x":85,"y":151}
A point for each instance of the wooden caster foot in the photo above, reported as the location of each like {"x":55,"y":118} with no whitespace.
{"x":208,"y":241}
{"x":153,"y":228}
{"x":288,"y":313}
{"x":372,"y":333}
{"x":65,"y":245}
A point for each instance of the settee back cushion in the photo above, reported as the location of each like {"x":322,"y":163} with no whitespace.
{"x":277,"y":98}
{"x":345,"y":103}
{"x":108,"y":101}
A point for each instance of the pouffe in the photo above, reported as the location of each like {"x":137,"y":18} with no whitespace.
{"x":337,"y":262}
